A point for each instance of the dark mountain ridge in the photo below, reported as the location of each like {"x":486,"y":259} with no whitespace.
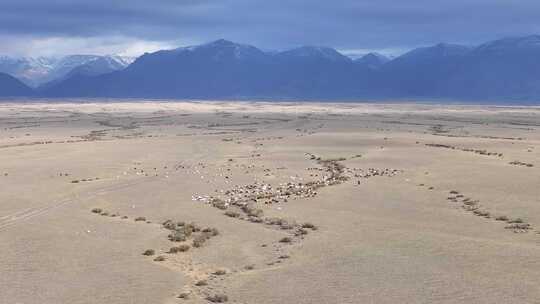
{"x":12,"y":87}
{"x":505,"y":69}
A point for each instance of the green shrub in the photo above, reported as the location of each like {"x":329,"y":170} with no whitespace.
{"x":286,"y":240}
{"x":516,"y":221}
{"x":149,"y":252}
{"x":181,"y":248}
{"x":309,"y":226}
{"x":184,"y":295}
{"x":220,"y":272}
{"x":211,"y":231}
{"x":177,"y":236}
{"x":218,"y":298}
{"x":232,"y":214}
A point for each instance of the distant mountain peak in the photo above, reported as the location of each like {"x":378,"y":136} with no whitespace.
{"x":372,"y":60}
{"x":523,"y":42}
{"x":375,"y":57}
{"x":502,"y":69}
{"x":438,"y":50}
{"x":35,"y":71}
{"x":316,"y":52}
{"x":222,"y":43}
{"x":100,"y":65}
{"x":224,"y":48}
{"x":216,"y":44}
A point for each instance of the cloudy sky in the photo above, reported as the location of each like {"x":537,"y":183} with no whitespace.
{"x":131,"y":27}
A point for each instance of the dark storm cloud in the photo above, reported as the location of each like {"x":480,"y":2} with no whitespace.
{"x":346,"y":24}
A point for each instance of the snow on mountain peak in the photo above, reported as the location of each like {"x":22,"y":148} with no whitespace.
{"x":224,"y":48}
{"x":35,"y":71}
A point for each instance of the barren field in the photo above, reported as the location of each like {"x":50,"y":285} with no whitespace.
{"x":178,"y":202}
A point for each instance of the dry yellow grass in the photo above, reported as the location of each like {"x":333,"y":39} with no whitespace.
{"x":394,"y":225}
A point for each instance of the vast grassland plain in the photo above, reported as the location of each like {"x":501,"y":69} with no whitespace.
{"x":244,"y":202}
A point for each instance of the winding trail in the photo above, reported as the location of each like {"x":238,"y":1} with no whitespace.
{"x":18,"y":217}
{"x":9,"y":220}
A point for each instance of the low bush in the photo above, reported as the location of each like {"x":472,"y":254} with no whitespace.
{"x":309,"y":226}
{"x":516,"y":221}
{"x":149,"y":252}
{"x":218,"y":298}
{"x":232,"y":214}
{"x":181,"y":248}
{"x":286,"y":240}
{"x":184,"y":295}
{"x":177,"y":236}
{"x":220,"y":272}
{"x":211,"y":231}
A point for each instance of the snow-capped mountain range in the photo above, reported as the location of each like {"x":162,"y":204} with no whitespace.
{"x":41,"y":70}
{"x":502,"y":70}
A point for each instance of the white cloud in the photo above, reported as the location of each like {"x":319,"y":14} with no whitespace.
{"x":140,"y":47}
{"x":59,"y":46}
